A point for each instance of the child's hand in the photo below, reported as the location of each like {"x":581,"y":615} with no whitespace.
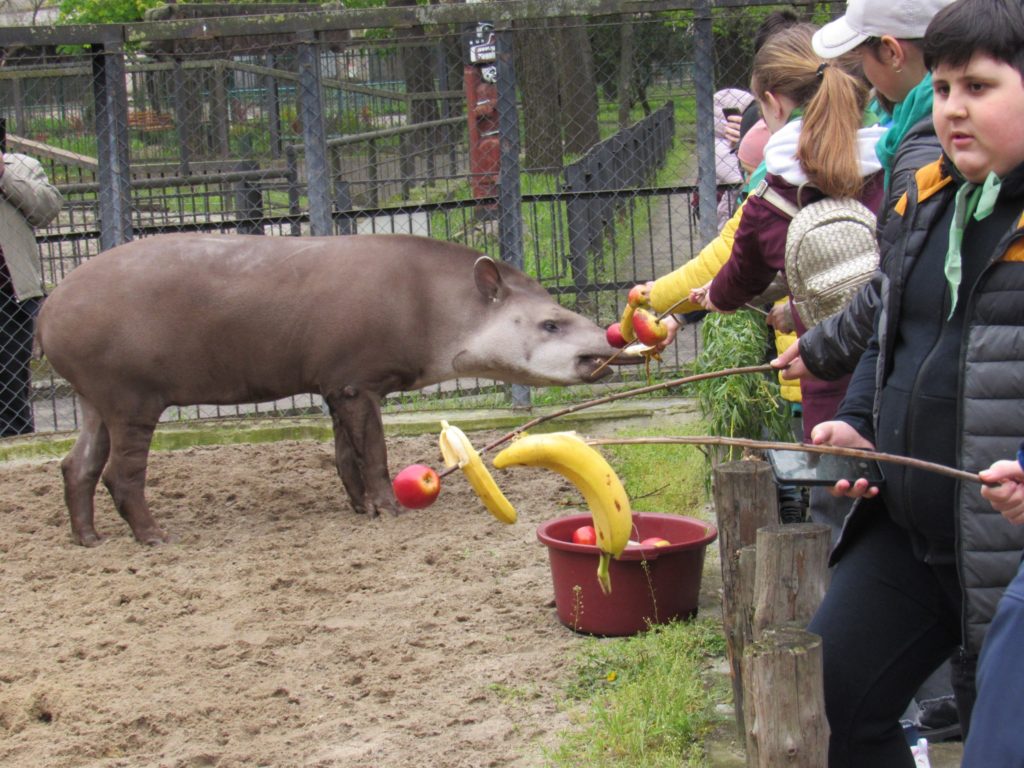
{"x":840,"y":433}
{"x":731,"y":129}
{"x":702,"y":296}
{"x":791,"y":364}
{"x":1008,"y":497}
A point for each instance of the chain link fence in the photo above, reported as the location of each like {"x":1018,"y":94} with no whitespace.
{"x":581,"y":148}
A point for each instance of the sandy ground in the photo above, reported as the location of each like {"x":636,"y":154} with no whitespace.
{"x":280,"y":629}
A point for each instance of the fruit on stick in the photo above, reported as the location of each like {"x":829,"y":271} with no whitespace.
{"x":648,"y":328}
{"x":456,"y":450}
{"x":626,"y":324}
{"x":569,"y":455}
{"x":639,"y":296}
{"x":416,"y":486}
{"x":614,"y":335}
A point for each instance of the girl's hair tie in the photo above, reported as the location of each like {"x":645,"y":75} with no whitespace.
{"x":821,"y":69}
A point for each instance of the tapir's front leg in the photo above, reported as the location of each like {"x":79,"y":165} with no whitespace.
{"x":359,"y":450}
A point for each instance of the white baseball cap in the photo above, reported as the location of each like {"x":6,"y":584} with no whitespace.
{"x":902,"y":19}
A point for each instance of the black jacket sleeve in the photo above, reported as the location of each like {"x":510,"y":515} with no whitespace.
{"x":831,"y":349}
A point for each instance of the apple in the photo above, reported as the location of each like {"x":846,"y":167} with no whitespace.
{"x":585,"y":534}
{"x":416,"y":486}
{"x":648,"y":328}
{"x":614,"y":335}
{"x":639,"y":296}
{"x":655,"y":541}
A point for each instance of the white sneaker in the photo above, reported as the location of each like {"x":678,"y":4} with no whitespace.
{"x":920,"y":753}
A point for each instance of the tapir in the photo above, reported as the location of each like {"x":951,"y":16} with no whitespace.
{"x":189,"y":319}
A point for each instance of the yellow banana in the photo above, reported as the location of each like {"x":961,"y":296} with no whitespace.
{"x":457,"y":450}
{"x":569,"y":455}
{"x":626,"y":324}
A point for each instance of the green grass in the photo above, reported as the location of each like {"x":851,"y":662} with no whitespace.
{"x":643,"y":701}
{"x":648,"y":701}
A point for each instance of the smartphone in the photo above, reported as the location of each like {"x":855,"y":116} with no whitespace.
{"x":801,"y":468}
{"x":730,"y":111}
{"x":3,"y":134}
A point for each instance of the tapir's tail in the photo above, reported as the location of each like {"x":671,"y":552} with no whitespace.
{"x":37,"y":342}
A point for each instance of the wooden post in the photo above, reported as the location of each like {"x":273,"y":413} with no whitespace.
{"x":782,"y":678}
{"x":791,"y":574}
{"x":745,"y":499}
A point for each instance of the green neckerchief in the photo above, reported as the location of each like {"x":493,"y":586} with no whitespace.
{"x":972,"y":200}
{"x":915,"y":106}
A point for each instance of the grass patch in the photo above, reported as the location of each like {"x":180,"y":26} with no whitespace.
{"x":643,"y":701}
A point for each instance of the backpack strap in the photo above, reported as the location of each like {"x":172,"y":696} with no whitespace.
{"x":769,"y":195}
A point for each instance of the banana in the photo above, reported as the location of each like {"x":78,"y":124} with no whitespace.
{"x":626,"y":324}
{"x":569,"y":455}
{"x":457,"y":450}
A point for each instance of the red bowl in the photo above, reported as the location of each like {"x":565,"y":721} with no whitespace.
{"x":650,"y":585}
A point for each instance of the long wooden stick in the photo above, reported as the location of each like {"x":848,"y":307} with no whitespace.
{"x":617,"y":396}
{"x":835,"y":450}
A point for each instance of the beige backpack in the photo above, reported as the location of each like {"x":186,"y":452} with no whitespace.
{"x":831,"y":251}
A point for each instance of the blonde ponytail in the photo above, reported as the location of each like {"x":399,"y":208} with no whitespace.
{"x":833,"y":101}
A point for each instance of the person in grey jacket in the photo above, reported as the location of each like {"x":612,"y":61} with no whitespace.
{"x":27,"y":200}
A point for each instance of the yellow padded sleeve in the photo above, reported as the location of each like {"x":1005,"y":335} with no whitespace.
{"x":697,"y":271}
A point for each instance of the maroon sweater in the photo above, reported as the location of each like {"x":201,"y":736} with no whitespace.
{"x":758,"y":254}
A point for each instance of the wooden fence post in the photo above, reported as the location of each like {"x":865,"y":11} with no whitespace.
{"x":791,"y":575}
{"x":745,"y":499}
{"x":786,"y":710}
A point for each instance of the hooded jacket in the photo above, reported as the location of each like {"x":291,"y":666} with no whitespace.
{"x":949,"y":392}
{"x":27,"y":200}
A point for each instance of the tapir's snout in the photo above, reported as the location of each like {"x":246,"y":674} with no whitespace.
{"x":594,"y":367}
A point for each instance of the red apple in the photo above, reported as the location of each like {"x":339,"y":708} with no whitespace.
{"x":639,"y":296}
{"x":614,"y":335}
{"x":655,"y":541}
{"x":416,"y":486}
{"x":585,"y":534}
{"x":649,"y":330}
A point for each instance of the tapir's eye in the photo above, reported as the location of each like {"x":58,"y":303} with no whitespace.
{"x":550,"y":326}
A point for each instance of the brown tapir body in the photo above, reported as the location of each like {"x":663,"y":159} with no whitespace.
{"x":221,"y":319}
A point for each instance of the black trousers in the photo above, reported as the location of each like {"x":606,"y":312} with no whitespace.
{"x":887,"y":621}
{"x":17,"y":320}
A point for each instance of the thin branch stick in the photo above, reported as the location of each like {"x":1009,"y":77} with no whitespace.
{"x":617,"y":396}
{"x":835,"y":450}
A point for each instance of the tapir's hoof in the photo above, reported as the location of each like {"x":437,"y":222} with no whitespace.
{"x":86,"y":538}
{"x":380,"y":507}
{"x":153,"y":537}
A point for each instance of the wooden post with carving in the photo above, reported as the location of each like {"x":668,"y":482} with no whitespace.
{"x":745,"y":499}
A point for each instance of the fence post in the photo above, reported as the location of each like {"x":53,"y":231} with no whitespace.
{"x":787,"y":701}
{"x":248,"y":201}
{"x":314,"y":136}
{"x":294,"y":210}
{"x":272,"y":106}
{"x":111,"y":95}
{"x":182,"y":119}
{"x":745,"y":499}
{"x":510,"y":211}
{"x":704,"y":78}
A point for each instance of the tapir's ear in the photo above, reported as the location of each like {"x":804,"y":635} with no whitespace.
{"x":488,"y":279}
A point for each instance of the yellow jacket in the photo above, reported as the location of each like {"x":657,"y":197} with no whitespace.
{"x":700,"y":270}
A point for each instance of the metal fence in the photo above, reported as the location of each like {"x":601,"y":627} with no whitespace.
{"x":568,"y":143}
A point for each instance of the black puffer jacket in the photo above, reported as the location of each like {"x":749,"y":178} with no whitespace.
{"x":948,"y":390}
{"x":831,"y":349}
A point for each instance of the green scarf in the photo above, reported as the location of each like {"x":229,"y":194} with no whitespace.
{"x":972,"y":200}
{"x":916,"y":105}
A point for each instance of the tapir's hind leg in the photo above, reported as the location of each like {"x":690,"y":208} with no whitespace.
{"x":125,"y":474}
{"x":81,"y":469}
{"x":360,"y":451}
